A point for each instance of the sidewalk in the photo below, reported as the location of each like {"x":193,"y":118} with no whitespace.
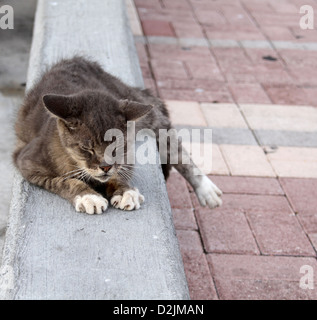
{"x":14,"y":57}
{"x":246,"y":70}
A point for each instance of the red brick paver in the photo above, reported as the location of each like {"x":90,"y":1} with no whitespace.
{"x":240,"y":52}
{"x":200,"y":281}
{"x":260,"y":277}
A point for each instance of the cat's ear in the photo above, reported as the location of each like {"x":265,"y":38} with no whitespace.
{"x":60,"y":106}
{"x":134,"y":110}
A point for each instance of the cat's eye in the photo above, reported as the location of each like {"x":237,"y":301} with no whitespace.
{"x":87,"y":149}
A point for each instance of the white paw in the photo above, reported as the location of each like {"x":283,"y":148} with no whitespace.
{"x":91,"y":203}
{"x":208,"y":193}
{"x":131,"y":199}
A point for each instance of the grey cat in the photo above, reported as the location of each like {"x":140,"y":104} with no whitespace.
{"x":60,"y":137}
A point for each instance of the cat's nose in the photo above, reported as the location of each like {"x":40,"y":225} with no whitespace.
{"x":105,"y":168}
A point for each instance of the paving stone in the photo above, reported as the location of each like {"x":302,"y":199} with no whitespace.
{"x":204,"y":70}
{"x":186,"y":112}
{"x":287,"y":94}
{"x":149,"y":83}
{"x":146,"y":71}
{"x":199,"y":85}
{"x":299,"y":57}
{"x":223,"y":115}
{"x":157,"y":28}
{"x":302,"y":194}
{"x":210,"y":17}
{"x":168,"y":69}
{"x":249,"y":93}
{"x":174,"y":52}
{"x":242,"y":277}
{"x":225,"y":232}
{"x":166,"y":15}
{"x":304,"y":36}
{"x":296,"y":162}
{"x":193,"y":42}
{"x":304,"y":76}
{"x":246,"y":160}
{"x":248,"y":185}
{"x":198,"y":94}
{"x":233,"y":136}
{"x":284,"y":6}
{"x":216,"y":165}
{"x":239,"y":77}
{"x":279,"y":234}
{"x":229,"y":58}
{"x":278,"y":33}
{"x":309,"y":223}
{"x":311,"y":94}
{"x":142,"y":54}
{"x":258,"y":6}
{"x":251,"y":203}
{"x":269,"y":76}
{"x":177,"y":4}
{"x":257,"y":55}
{"x":162,"y":40}
{"x":225,"y":43}
{"x":277,"y":117}
{"x":148,"y":4}
{"x":190,"y":242}
{"x":291,"y":45}
{"x":184,"y":219}
{"x":219,"y":165}
{"x":256,"y":44}
{"x":229,"y":35}
{"x":286,"y":138}
{"x":187,"y":30}
{"x":276,"y":19}
{"x":200,"y":282}
{"x":177,"y":192}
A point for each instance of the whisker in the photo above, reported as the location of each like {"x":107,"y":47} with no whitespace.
{"x":71,"y":172}
{"x":73,"y":175}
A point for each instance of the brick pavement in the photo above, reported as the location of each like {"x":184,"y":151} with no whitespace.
{"x":246,"y":70}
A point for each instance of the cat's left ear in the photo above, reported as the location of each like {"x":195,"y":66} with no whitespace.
{"x":134,"y":110}
{"x":60,"y":106}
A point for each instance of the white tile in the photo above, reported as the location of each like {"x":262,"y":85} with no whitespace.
{"x":215,"y":165}
{"x":223,"y":115}
{"x":245,"y":160}
{"x":185,"y":113}
{"x":280,"y":117}
{"x":294,"y":162}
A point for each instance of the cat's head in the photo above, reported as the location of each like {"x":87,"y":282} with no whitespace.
{"x":82,"y":121}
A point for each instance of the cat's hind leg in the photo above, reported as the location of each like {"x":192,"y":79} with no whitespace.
{"x":207,"y":192}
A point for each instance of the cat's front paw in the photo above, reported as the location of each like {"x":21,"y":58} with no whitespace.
{"x":130,"y":200}
{"x":91,"y":203}
{"x":209,"y":194}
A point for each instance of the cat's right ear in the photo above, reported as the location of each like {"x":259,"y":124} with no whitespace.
{"x":60,"y":106}
{"x":134,"y":110}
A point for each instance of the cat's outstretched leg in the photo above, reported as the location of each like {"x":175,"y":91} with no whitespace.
{"x":207,"y":192}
